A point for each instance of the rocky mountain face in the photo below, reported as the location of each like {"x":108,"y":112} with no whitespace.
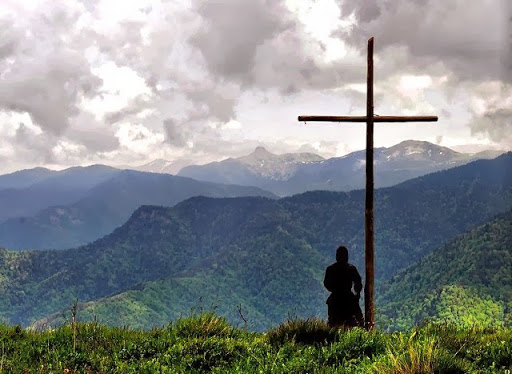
{"x":411,"y":151}
{"x":260,"y":168}
{"x":277,"y":167}
{"x":296,"y":173}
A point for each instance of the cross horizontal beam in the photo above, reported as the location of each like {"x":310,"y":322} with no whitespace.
{"x":365,"y":119}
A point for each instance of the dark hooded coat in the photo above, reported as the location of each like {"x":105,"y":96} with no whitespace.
{"x":344,"y":282}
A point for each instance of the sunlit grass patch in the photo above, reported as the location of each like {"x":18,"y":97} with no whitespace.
{"x":207,"y":343}
{"x":203,"y":325}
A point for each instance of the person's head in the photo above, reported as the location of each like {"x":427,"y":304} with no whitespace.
{"x":342,"y":254}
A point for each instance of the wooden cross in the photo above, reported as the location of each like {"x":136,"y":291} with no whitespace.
{"x":370,"y":118}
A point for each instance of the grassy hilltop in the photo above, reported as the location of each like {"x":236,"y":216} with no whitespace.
{"x":207,"y":343}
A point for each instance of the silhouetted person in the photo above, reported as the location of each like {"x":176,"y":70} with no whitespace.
{"x":344,"y":282}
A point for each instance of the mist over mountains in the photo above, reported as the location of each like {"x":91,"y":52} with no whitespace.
{"x":79,"y":207}
{"x":27,"y":192}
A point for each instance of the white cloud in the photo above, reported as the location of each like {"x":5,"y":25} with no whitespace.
{"x":93,"y":81}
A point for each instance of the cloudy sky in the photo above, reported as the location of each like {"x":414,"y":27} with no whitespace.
{"x":105,"y":81}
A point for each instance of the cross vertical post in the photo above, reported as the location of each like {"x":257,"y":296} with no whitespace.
{"x":368,"y":216}
{"x":370,"y":119}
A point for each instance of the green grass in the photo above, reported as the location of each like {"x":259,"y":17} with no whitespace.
{"x":208,"y":343}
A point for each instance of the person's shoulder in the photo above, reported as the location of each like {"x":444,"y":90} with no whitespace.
{"x":332,"y":266}
{"x":352,"y":267}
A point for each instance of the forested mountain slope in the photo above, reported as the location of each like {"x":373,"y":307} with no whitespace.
{"x":269,"y":254}
{"x":468,"y":280}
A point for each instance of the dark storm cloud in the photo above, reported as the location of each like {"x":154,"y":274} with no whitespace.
{"x":208,"y":56}
{"x":233,"y":31}
{"x":47,"y":88}
{"x":468,"y":39}
{"x":42,"y":74}
{"x":174,"y":133}
{"x":471,"y":43}
{"x":289,"y":63}
{"x":365,"y":11}
{"x":261,"y":45}
{"x":243,"y":46}
{"x":497,"y":123}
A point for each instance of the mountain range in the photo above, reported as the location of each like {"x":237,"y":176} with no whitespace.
{"x":25,"y":178}
{"x":27,"y":192}
{"x":43,"y":208}
{"x":289,"y":174}
{"x":265,"y":255}
{"x":77,"y":210}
